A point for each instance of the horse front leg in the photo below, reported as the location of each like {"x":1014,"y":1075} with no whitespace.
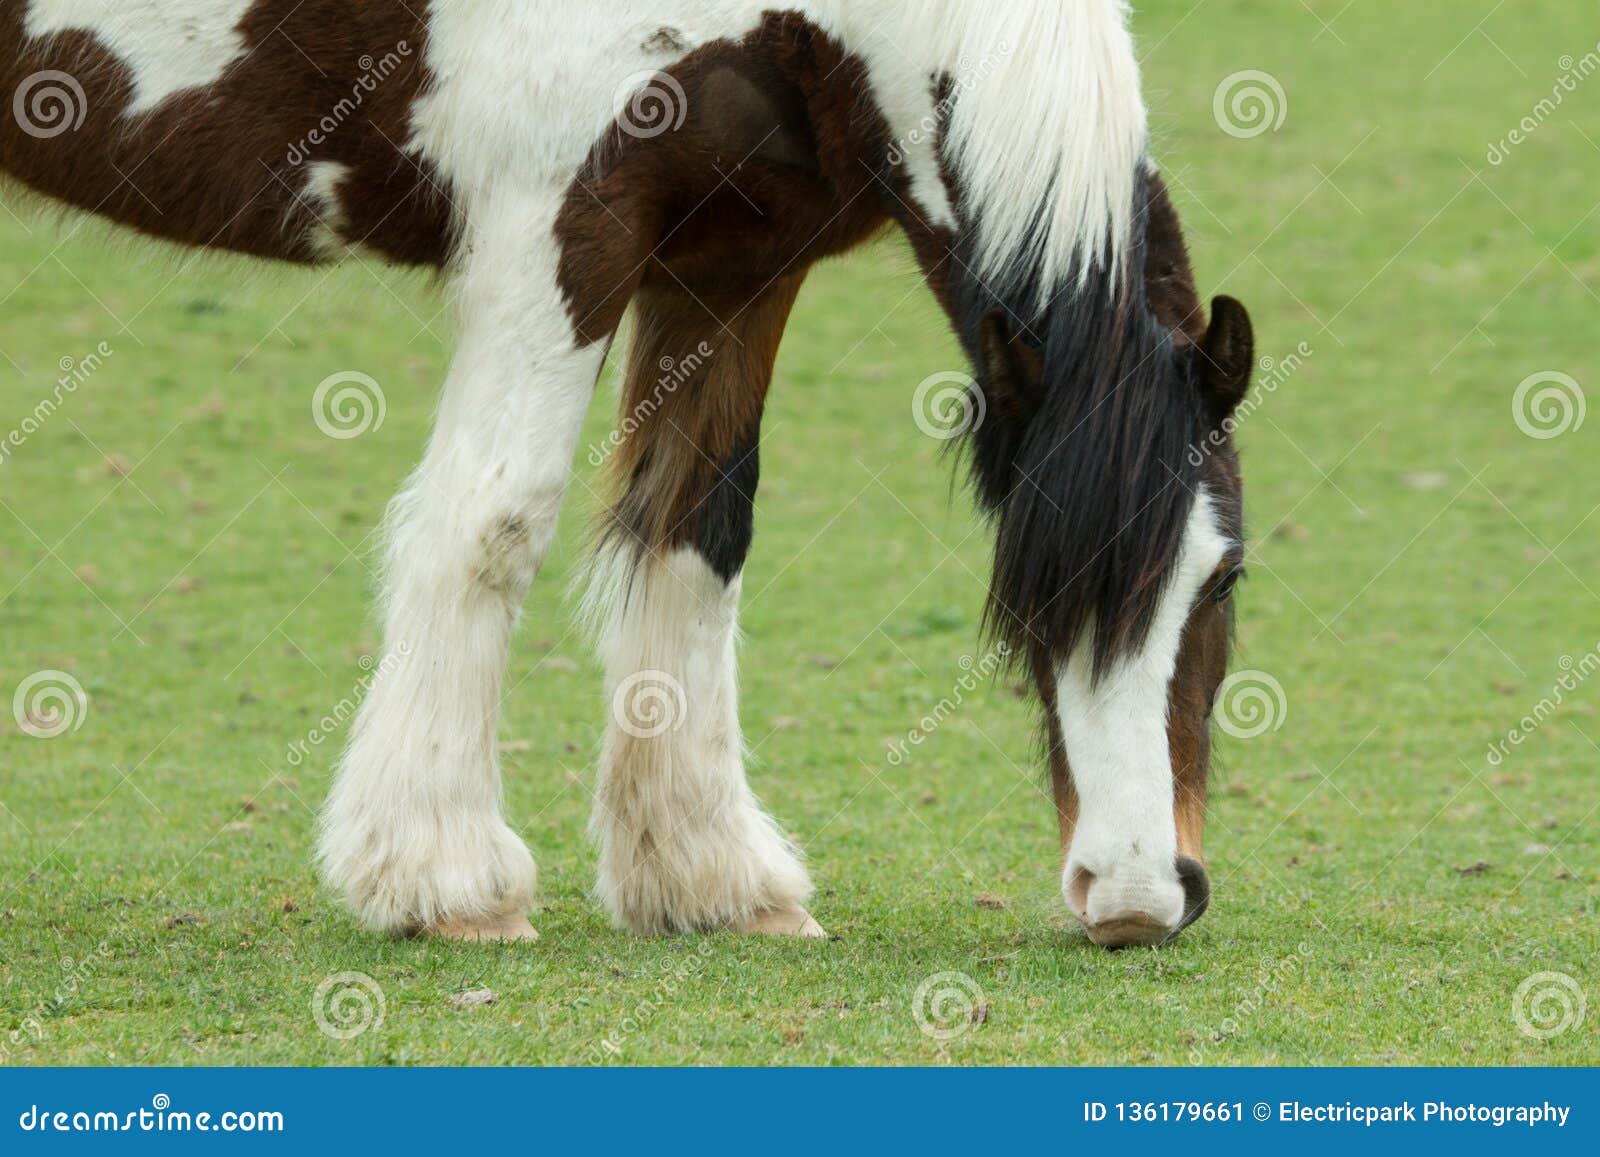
{"x":412,"y":833}
{"x":684,"y":844}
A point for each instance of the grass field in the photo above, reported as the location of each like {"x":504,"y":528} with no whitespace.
{"x":184,"y":542}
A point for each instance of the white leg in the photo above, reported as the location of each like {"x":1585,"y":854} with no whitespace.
{"x":684,"y":846}
{"x":412,"y":835}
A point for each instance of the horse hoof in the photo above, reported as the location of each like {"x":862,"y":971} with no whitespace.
{"x":784,"y":922}
{"x":505,"y":929}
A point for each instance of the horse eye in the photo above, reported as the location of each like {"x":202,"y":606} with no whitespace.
{"x":1224,"y":589}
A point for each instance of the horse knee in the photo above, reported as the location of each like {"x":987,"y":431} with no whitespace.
{"x":483,"y":544}
{"x":506,"y":555}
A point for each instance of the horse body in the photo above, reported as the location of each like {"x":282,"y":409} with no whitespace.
{"x":691,"y":159}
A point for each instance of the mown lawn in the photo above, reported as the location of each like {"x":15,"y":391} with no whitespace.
{"x":184,"y":542}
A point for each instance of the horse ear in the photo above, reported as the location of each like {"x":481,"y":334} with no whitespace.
{"x":1228,"y":354}
{"x":1012,"y":371}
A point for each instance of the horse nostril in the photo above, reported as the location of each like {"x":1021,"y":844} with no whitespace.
{"x":1078,"y":890}
{"x":1196,"y":891}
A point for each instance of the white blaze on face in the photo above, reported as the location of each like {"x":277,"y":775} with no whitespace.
{"x":168,"y":45}
{"x":1115,"y":733}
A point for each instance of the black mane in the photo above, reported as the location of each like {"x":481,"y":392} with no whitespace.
{"x":1090,"y":478}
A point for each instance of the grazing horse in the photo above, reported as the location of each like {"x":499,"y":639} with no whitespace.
{"x":565,"y":160}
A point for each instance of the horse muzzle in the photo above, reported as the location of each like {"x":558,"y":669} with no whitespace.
{"x":1134,"y":908}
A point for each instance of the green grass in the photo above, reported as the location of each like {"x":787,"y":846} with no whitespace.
{"x":183,"y":540}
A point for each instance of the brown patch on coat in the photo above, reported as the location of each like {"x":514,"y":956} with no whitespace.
{"x":709,"y":230}
{"x":686,"y":437}
{"x":764,"y":178}
{"x":1202,"y":665}
{"x":211,"y":167}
